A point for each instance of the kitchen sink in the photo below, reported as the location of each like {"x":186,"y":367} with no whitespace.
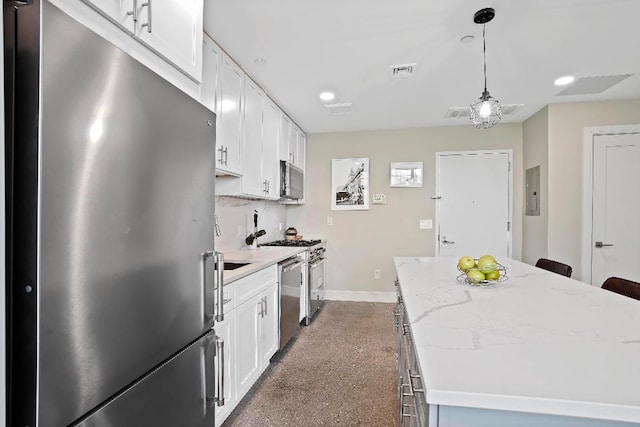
{"x":234,"y":265}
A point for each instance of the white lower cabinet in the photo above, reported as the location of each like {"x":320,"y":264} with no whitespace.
{"x":251,"y":332}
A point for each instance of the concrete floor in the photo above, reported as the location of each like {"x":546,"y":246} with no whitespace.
{"x":339,"y":371}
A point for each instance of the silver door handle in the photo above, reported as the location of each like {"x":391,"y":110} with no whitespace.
{"x":134,"y":12}
{"x":447,"y":242}
{"x":148,"y":6}
{"x":602,"y":245}
{"x":219,"y":285}
{"x":220,"y":382}
{"x":203,"y":275}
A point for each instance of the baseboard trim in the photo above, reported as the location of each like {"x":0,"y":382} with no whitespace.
{"x":360,"y":296}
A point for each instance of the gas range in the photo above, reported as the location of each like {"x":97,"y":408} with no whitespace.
{"x":313,"y":276}
{"x":305,"y":243}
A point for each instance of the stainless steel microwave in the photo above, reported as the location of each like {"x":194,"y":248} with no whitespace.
{"x":291,"y":181}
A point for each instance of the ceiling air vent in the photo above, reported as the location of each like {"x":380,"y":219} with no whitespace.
{"x":455,"y":112}
{"x":593,"y":85}
{"x":402,"y":71}
{"x":340,"y":107}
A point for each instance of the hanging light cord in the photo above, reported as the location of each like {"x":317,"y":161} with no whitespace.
{"x":484,"y":56}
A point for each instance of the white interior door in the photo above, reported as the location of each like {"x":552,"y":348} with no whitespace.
{"x":616,"y":228}
{"x":473,"y":203}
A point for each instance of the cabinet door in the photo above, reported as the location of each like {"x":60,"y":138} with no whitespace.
{"x":229,"y":111}
{"x":252,"y":182}
{"x":209,"y":85}
{"x":247,"y":318}
{"x":270,"y":163}
{"x":118,"y":11}
{"x":302,"y":150}
{"x":285,"y":131}
{"x":293,"y":144}
{"x":225,"y":330}
{"x":269,"y":325}
{"x":173,"y":28}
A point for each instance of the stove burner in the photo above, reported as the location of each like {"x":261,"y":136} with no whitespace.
{"x":292,"y":243}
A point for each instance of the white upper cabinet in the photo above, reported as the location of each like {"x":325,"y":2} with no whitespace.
{"x":292,"y":142}
{"x":252,"y":182}
{"x":171,"y":28}
{"x":270,"y":134}
{"x":261,"y":125}
{"x":221,"y":91}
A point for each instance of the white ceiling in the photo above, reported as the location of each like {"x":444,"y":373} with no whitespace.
{"x":347,"y":46}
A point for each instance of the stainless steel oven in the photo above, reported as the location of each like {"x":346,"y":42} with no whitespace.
{"x":313,"y":275}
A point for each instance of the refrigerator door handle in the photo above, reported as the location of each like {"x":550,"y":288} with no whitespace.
{"x":220,"y":380}
{"x":219,"y":285}
{"x":203,"y":283}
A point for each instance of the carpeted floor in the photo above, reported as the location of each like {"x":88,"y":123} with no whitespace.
{"x":339,"y":371}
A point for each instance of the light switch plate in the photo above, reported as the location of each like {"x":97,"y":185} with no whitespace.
{"x":329,"y":220}
{"x":379,"y":199}
{"x":426,"y":224}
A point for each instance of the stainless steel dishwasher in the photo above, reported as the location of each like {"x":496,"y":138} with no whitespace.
{"x":291,"y":280}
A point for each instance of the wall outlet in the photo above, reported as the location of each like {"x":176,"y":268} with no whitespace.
{"x":379,"y":199}
{"x":426,"y":224}
{"x":329,"y":220}
{"x":376,"y":274}
{"x":280,"y":226}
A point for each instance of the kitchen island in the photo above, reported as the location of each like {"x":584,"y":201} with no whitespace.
{"x":538,"y":349}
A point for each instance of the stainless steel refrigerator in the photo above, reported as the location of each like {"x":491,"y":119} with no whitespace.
{"x":110,"y":213}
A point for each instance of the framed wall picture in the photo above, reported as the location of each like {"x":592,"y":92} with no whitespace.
{"x":350,"y":184}
{"x":406,"y":174}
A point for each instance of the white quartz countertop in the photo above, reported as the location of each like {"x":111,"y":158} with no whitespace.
{"x":259,"y":258}
{"x":537,"y":342}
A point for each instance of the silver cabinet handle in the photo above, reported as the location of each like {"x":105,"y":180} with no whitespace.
{"x":602,"y":245}
{"x":413,"y":376}
{"x":148,"y":23}
{"x":260,"y":312}
{"x":220,"y":380}
{"x":203,"y":275}
{"x":266,"y":313}
{"x":226,"y":155}
{"x":219,"y":285}
{"x":221,"y":157}
{"x":134,"y":12}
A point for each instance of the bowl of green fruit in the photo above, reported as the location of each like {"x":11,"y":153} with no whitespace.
{"x":483,"y":271}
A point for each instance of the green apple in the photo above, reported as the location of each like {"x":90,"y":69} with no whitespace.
{"x":492,"y":275}
{"x":465,"y":263}
{"x":487,"y":263}
{"x":475,"y":276}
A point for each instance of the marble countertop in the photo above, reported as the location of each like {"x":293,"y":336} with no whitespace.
{"x":537,"y":342}
{"x":259,"y":258}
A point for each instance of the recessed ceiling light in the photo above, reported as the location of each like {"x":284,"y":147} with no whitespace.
{"x":260,"y":61}
{"x":565,"y":80}
{"x":327,"y":96}
{"x":467,"y":39}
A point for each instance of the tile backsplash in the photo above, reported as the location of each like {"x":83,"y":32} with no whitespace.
{"x":235,"y":217}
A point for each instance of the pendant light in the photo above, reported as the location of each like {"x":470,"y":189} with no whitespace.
{"x":485,"y":112}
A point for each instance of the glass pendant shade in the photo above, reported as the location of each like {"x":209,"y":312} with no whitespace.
{"x":485,"y":112}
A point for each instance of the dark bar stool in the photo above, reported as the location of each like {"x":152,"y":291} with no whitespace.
{"x":554,"y":266}
{"x":624,"y":287}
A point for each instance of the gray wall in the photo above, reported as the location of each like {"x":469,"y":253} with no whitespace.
{"x":566,"y":139}
{"x":361,"y":241}
{"x":535,"y":131}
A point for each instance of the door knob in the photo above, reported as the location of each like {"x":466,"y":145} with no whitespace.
{"x":601,"y":245}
